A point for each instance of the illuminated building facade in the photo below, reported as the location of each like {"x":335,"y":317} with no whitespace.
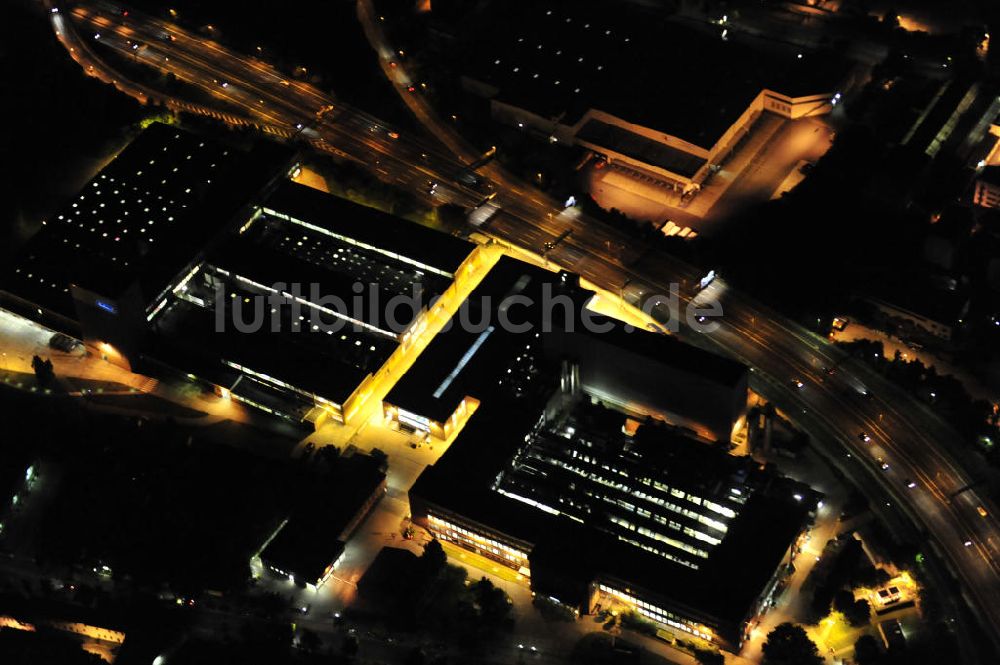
{"x":672,"y":528}
{"x":358,"y":305}
{"x":986,"y":190}
{"x":135,"y":266}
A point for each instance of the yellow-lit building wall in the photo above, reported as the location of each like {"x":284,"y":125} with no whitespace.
{"x":442,"y":431}
{"x":487,"y":545}
{"x":427,"y":324}
{"x":607,"y":591}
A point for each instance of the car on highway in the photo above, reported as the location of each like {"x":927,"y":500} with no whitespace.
{"x":982,"y":511}
{"x":911,"y":484}
{"x":798,"y":384}
{"x":882,"y":464}
{"x":864,"y":437}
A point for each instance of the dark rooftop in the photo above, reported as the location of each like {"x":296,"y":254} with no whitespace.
{"x":991,"y":175}
{"x":562,"y":57}
{"x":925,"y":296}
{"x":327,"y":365}
{"x":727,"y":582}
{"x":310,"y":539}
{"x":143,"y":217}
{"x":669,"y":350}
{"x":640,"y":147}
{"x":409,"y":243}
{"x":471,"y":359}
{"x":269,"y":267}
{"x":317,"y":251}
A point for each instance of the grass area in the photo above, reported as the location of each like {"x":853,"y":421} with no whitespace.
{"x":145,"y":403}
{"x":99,"y":386}
{"x":600,"y":649}
{"x":20,"y":380}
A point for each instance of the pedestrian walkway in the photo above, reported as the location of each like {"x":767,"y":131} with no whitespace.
{"x":80,"y":373}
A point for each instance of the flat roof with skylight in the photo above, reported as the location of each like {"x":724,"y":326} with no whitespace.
{"x":143,"y":217}
{"x":326,"y":270}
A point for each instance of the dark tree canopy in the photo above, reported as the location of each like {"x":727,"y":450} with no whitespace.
{"x":866,"y":651}
{"x":788,"y":644}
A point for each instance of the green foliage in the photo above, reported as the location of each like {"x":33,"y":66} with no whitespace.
{"x":857,"y":612}
{"x":972,"y":418}
{"x":867,"y":651}
{"x":638,"y":623}
{"x":788,"y":644}
{"x":428,"y":593}
{"x":706,"y":657}
{"x":43,"y":371}
{"x":165,"y":117}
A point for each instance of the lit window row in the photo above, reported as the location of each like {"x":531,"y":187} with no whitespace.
{"x":455,"y":532}
{"x":656,"y":613}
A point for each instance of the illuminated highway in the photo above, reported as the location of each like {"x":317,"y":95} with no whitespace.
{"x":915,"y":444}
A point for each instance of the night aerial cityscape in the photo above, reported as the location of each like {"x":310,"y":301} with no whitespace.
{"x":500,"y":332}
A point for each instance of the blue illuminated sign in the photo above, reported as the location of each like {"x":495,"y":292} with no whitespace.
{"x":107,"y":307}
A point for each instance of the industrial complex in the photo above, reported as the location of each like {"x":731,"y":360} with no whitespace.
{"x":597,"y":463}
{"x":592,"y":458}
